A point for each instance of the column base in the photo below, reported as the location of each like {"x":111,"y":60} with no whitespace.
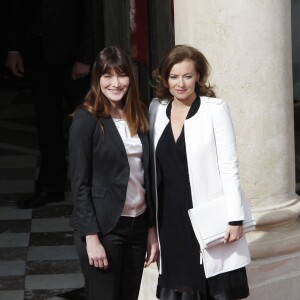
{"x":277,"y":232}
{"x":275,"y":278}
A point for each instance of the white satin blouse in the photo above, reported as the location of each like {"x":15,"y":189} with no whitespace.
{"x":135,"y":203}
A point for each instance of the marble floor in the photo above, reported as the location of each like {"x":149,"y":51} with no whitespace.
{"x":37,"y":256}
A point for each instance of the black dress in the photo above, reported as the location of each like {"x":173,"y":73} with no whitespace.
{"x":182,"y":275}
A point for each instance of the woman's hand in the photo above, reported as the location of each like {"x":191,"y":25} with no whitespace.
{"x":233,"y":233}
{"x":80,"y":70}
{"x":152,"y":247}
{"x":96,"y":252}
{"x":14,"y":62}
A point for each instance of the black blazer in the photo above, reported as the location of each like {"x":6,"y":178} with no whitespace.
{"x":66,"y":28}
{"x":99,"y":172}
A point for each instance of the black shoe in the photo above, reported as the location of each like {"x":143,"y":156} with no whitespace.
{"x":41,"y":198}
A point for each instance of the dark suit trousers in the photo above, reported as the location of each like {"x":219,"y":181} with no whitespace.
{"x":125,"y":248}
{"x":54,"y":94}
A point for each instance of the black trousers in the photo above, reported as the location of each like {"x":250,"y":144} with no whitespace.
{"x":54,"y":94}
{"x":125,"y":248}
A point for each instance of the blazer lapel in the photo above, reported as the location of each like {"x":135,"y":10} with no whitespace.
{"x":145,"y":143}
{"x":160,"y":123}
{"x":111,"y":130}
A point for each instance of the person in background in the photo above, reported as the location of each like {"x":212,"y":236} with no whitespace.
{"x":113,"y":214}
{"x":194,"y":155}
{"x":52,"y":44}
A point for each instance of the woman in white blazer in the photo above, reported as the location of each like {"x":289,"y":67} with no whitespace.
{"x":194,"y":159}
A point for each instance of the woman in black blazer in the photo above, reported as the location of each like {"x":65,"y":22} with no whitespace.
{"x":113,"y":215}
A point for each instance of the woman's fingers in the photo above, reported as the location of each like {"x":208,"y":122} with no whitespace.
{"x":226,"y":236}
{"x":96,"y":252}
{"x":233,"y":233}
{"x":101,"y":263}
{"x":105,"y":263}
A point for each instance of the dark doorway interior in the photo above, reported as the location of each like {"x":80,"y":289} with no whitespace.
{"x":143,"y":28}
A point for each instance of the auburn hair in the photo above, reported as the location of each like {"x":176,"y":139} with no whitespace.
{"x":174,"y":56}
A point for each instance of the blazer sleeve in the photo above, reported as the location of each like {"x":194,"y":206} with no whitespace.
{"x":228,"y":161}
{"x":81,"y":137}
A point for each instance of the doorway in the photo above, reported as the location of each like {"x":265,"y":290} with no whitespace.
{"x":143,"y":28}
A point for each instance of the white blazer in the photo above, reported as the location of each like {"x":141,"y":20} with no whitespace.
{"x":213,"y":171}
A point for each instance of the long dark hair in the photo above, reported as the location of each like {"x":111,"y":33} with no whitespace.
{"x":176,"y":55}
{"x":114,"y":58}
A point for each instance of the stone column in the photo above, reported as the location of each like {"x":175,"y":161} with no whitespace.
{"x":248,"y":45}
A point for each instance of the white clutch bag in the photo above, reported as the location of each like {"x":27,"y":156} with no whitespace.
{"x":209,"y":221}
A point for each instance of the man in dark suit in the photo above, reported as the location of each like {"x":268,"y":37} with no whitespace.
{"x":52,"y":42}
